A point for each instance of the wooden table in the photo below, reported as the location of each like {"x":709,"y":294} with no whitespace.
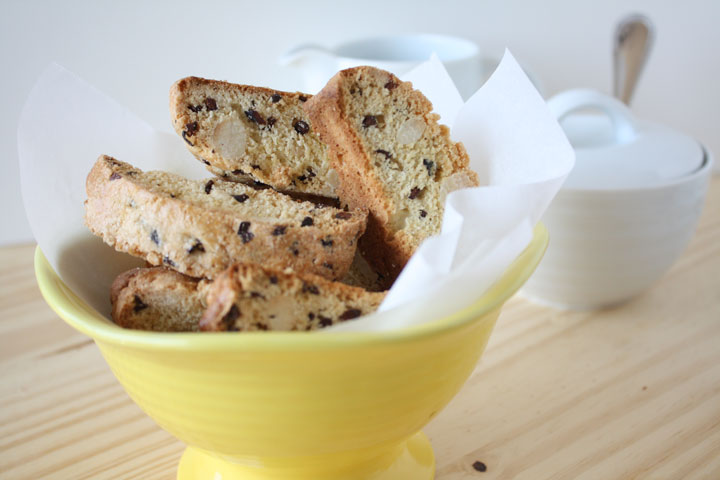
{"x":632,"y":392}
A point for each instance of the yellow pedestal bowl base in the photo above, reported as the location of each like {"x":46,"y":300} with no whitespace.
{"x":412,"y":459}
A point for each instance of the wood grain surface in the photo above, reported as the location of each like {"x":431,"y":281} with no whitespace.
{"x":627,"y":393}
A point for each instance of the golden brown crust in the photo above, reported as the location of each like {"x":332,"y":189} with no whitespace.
{"x":246,"y":133}
{"x":392,"y":157}
{"x":200,"y":229}
{"x":250,"y":297}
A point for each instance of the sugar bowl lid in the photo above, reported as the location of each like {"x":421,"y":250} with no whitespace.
{"x":614,"y":150}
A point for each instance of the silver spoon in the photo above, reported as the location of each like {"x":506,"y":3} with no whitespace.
{"x":634,"y":37}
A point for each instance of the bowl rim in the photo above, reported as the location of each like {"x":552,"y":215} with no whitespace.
{"x":87,"y":320}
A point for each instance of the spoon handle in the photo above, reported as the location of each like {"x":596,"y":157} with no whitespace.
{"x":634,"y":36}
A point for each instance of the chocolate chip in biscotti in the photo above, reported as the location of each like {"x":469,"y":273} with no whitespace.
{"x":228,"y":320}
{"x":208,"y":186}
{"x":301,"y":127}
{"x":195,"y":108}
{"x":185,"y":135}
{"x":302,"y":98}
{"x":429,"y":165}
{"x":254,"y":116}
{"x":328,"y":265}
{"x":257,"y":295}
{"x":244,"y":232}
{"x":196,"y":247}
{"x":275,"y":98}
{"x":307,"y":222}
{"x":414,"y":192}
{"x":350,"y":313}
{"x":390,"y":85}
{"x":279,"y":230}
{"x":343,"y":215}
{"x":369,"y":121}
{"x":205,"y":161}
{"x":168,"y":261}
{"x":115,"y":176}
{"x":210,"y":104}
{"x":154,"y":237}
{"x":271,"y":121}
{"x":309,"y":288}
{"x":138,"y":304}
{"x":324,"y":321}
{"x":241,"y":198}
{"x":423,"y":214}
{"x":273,"y":279}
{"x":191,"y":128}
{"x":326,"y":242}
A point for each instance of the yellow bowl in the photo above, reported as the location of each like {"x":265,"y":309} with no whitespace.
{"x":296,"y":405}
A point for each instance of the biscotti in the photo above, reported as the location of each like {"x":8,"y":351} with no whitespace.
{"x":158,"y":299}
{"x":248,"y":297}
{"x":392,"y":157}
{"x":252,"y":133}
{"x":201,"y":227}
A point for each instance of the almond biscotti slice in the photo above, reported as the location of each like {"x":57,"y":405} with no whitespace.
{"x":201,"y":227}
{"x":158,"y":299}
{"x":246,"y":133}
{"x":250,"y":297}
{"x":392,"y":157}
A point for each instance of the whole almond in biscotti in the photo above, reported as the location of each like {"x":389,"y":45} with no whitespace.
{"x":201,"y":227}
{"x":158,"y":299}
{"x":249,"y":297}
{"x":246,"y":133}
{"x":392,"y":157}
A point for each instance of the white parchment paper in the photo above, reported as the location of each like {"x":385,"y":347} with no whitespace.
{"x":514,"y":143}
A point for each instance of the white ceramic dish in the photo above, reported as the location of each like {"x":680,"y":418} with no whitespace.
{"x":610,"y":243}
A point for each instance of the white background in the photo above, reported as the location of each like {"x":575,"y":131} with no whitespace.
{"x":134,"y":51}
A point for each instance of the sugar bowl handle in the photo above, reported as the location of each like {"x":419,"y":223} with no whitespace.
{"x":622,"y":119}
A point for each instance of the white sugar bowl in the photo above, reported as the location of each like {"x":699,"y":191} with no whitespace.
{"x":627,"y":210}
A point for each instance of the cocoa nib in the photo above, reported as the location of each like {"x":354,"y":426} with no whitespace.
{"x":429,"y":164}
{"x":414,"y":193}
{"x":208,"y":186}
{"x":244,"y":232}
{"x":350,"y":313}
{"x":254,"y":116}
{"x":138,"y":304}
{"x":228,"y":320}
{"x":369,"y":121}
{"x":241,"y":198}
{"x":154,"y":237}
{"x":301,"y":127}
{"x":279,"y":230}
{"x":343,"y":215}
{"x":307,"y":221}
{"x":191,"y":128}
{"x":210,"y":104}
{"x":275,"y":98}
{"x":115,"y":176}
